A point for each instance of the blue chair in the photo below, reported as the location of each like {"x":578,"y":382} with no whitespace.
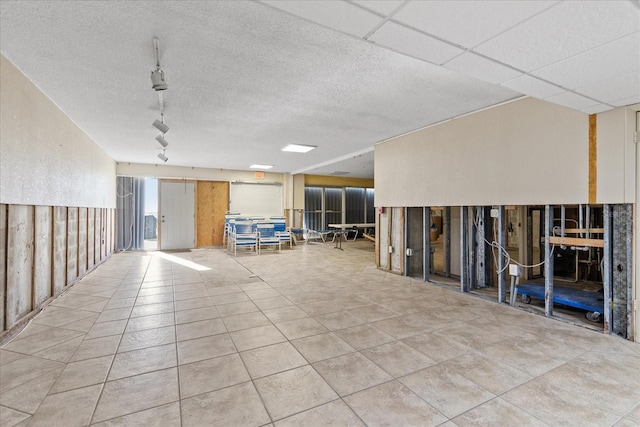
{"x":281,"y":230}
{"x":244,"y":235}
{"x":267,"y":236}
{"x":228,"y":218}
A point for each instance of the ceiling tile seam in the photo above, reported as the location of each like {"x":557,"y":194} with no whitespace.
{"x":353,"y":36}
{"x":636,"y":71}
{"x":596,"y":101}
{"x":584,"y":51}
{"x":517,"y":24}
{"x":386,"y":18}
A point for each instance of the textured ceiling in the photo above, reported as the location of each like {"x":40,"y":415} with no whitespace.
{"x":247,"y":78}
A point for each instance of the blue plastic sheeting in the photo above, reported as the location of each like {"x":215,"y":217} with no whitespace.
{"x":590,"y":301}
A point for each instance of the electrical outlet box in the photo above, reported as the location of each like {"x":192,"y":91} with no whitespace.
{"x":495,"y":213}
{"x":515,"y":270}
{"x":409,"y":252}
{"x":390,"y":249}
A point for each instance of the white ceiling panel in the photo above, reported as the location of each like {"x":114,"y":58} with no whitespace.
{"x":336,"y":14}
{"x":612,"y":59}
{"x":481,"y":68}
{"x":413,"y":43}
{"x":533,"y":87}
{"x":566,"y":29}
{"x":468,"y":23}
{"x":622,"y":102}
{"x":571,"y":100}
{"x":383,"y":7}
{"x":595,"y":109}
{"x":614,"y":89}
{"x":257,"y":76}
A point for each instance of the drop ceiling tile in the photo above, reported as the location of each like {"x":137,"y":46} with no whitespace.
{"x":468,"y":23}
{"x":613,"y":89}
{"x":595,"y":109}
{"x":383,"y":7}
{"x":571,"y":100}
{"x":339,"y":15}
{"x":481,"y":68}
{"x":612,"y":59}
{"x":532,"y":87}
{"x":413,"y":43}
{"x":559,"y":32}
{"x":626,"y":101}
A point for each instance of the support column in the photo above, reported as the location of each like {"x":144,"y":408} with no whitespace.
{"x":465,"y":285}
{"x":606,"y":267}
{"x":473,"y":249}
{"x":406,"y":241}
{"x":548,"y":265}
{"x":426,"y":247}
{"x":446,"y":244}
{"x":481,"y":266}
{"x":502,"y":259}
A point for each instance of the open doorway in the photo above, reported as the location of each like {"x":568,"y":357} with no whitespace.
{"x":150,"y":214}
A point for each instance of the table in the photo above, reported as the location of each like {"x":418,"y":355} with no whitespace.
{"x":344,"y":230}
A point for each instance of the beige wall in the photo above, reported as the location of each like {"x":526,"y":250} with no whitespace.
{"x":45,"y":159}
{"x":616,"y":156}
{"x":523,"y":152}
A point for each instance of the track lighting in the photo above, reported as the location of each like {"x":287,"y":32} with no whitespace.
{"x":157,"y":80}
{"x":162,"y":157}
{"x":160,"y":126}
{"x":162,"y":141}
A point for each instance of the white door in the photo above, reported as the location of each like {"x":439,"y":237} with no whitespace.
{"x":177,"y":215}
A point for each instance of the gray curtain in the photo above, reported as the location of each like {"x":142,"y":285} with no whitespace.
{"x":130,"y":213}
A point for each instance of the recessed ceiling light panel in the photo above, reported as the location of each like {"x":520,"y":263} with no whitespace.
{"x":297,"y":148}
{"x":263,"y":167}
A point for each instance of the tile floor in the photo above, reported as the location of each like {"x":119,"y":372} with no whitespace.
{"x":310,"y":336}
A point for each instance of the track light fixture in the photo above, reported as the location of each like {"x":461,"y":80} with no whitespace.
{"x":163,"y":157}
{"x":162,"y":141}
{"x":157,"y":80}
{"x":160,"y":126}
{"x":157,"y":76}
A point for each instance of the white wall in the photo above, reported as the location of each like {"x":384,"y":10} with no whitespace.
{"x":45,"y":159}
{"x":523,"y":152}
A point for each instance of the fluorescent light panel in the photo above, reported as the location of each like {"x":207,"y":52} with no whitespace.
{"x":297,"y":148}
{"x":257,"y":166}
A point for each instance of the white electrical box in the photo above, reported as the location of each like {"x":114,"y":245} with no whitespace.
{"x":515,"y":270}
{"x":495,"y":213}
{"x":409,"y":252}
{"x":390,"y":249}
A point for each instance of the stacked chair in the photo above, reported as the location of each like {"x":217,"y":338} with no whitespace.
{"x":255,"y":233}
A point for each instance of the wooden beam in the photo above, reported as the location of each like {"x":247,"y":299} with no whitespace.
{"x":576,"y":241}
{"x":584,"y":230}
{"x":336,"y":181}
{"x":593,"y":159}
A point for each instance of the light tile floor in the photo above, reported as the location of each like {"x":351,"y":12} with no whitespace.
{"x":309,"y":336}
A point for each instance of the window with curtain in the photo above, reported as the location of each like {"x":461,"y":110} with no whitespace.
{"x":313,"y":208}
{"x":355,"y":201}
{"x":332,"y":206}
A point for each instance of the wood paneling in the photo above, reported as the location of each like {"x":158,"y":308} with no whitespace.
{"x":59,"y":249}
{"x":42,"y":259}
{"x":593,"y":159}
{"x":337,"y":181}
{"x":212,"y":202}
{"x":20,"y":232}
{"x":3,"y":262}
{"x":72,"y":245}
{"x":91,"y":220}
{"x":82,"y":241}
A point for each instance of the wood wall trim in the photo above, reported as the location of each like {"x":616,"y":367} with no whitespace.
{"x":593,"y":159}
{"x":337,"y":181}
